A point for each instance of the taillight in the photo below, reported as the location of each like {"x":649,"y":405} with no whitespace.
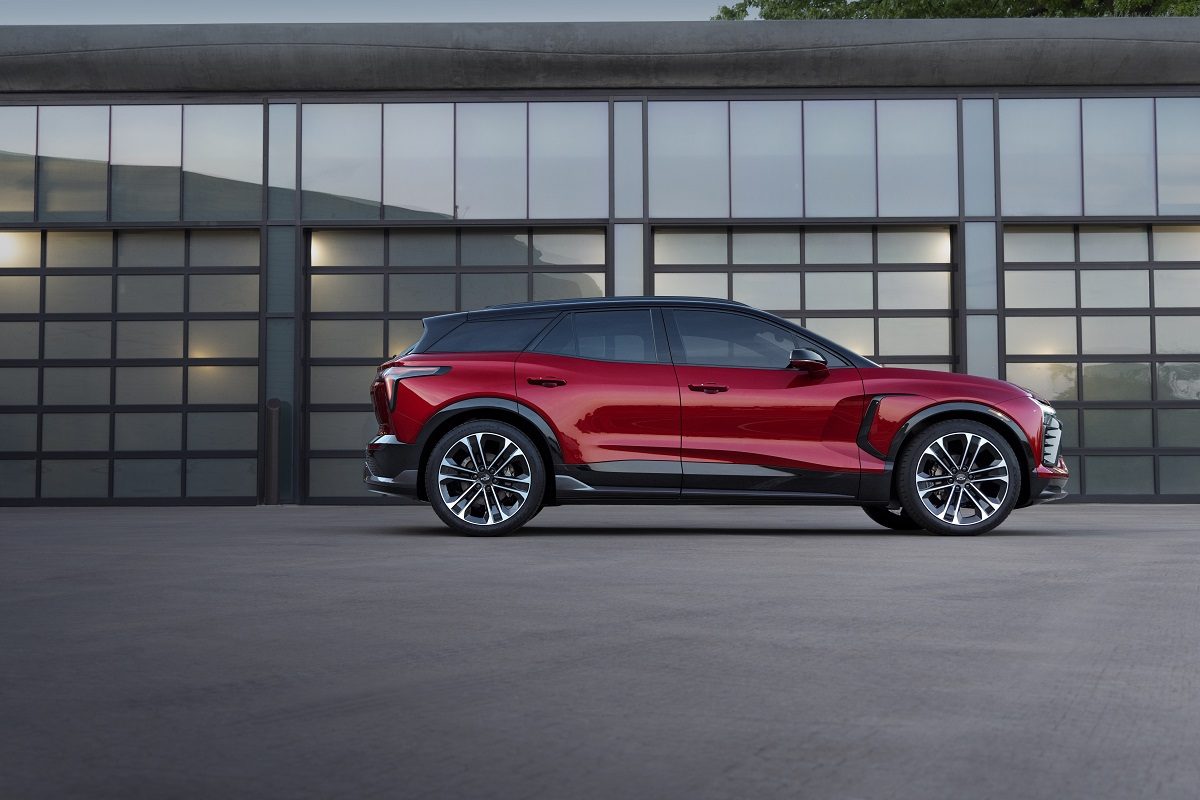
{"x":393,"y":375}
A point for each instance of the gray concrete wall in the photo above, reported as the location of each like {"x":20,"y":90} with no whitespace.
{"x":401,"y":57}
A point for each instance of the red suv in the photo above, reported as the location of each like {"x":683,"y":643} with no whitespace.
{"x":494,"y":414}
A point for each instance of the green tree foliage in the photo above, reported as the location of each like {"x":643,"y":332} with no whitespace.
{"x":933,"y":9}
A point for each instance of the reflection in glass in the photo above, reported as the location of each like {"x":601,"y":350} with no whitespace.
{"x":979,"y":151}
{"x":223,"y":293}
{"x":690,"y":247}
{"x":72,"y":163}
{"x":692,"y":284}
{"x":149,"y":385}
{"x":1119,"y":474}
{"x":148,"y":431}
{"x":418,"y":160}
{"x":91,"y":339}
{"x":918,"y":158}
{"x":1118,"y":155}
{"x":223,"y":385}
{"x":421,"y":248}
{"x":568,"y":160}
{"x":424,"y":293}
{"x":340,"y":163}
{"x":146,"y":477}
{"x":914,"y":289}
{"x":914,"y":336}
{"x":689,"y":159}
{"x":1177,"y":288}
{"x":1116,"y":335}
{"x":78,"y":294}
{"x":564,"y":285}
{"x":489,"y":289}
{"x":149,"y":249}
{"x":20,"y":249}
{"x":281,"y":161}
{"x":768,"y":290}
{"x":983,"y":345}
{"x":483,"y":248}
{"x":403,"y":334}
{"x":839,"y":158}
{"x":837,"y":247}
{"x":628,"y":256}
{"x":627,"y":159}
{"x":762,"y":247}
{"x":490,"y":175}
{"x":1049,"y":381}
{"x":1039,"y":289}
{"x":1100,"y":244}
{"x":143,"y":339}
{"x":767,"y":168}
{"x":837,"y":290}
{"x":1125,"y":427}
{"x":75,"y":478}
{"x":575,"y":247}
{"x":224,"y":248}
{"x":1179,"y":427}
{"x":1177,"y":242}
{"x":222,"y":162}
{"x":1178,"y":155}
{"x":360,"y":338}
{"x":79,"y":249}
{"x":1039,"y":157}
{"x":19,"y":294}
{"x":980,"y":268}
{"x":223,"y":339}
{"x":1114,"y":288}
{"x":1024,"y":245}
{"x":914,"y":246}
{"x":1040,"y":336}
{"x":347,"y":293}
{"x":1120,"y":381}
{"x":18,"y":143}
{"x":146,"y":159}
{"x":1179,"y":381}
{"x":1179,"y":475}
{"x":855,"y":333}
{"x":347,"y":248}
{"x":1177,"y":334}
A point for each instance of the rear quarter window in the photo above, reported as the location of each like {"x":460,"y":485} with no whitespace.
{"x":490,"y":336}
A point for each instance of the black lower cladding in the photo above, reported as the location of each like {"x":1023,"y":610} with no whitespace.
{"x":392,"y":467}
{"x":1044,"y":490}
{"x":702,"y":482}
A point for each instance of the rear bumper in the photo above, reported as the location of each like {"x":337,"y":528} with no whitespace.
{"x":392,"y":467}
{"x":1048,"y":483}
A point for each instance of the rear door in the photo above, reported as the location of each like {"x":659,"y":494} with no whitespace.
{"x":750,"y":423}
{"x":604,"y":381}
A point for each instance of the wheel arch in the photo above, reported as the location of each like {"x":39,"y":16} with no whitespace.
{"x":976,"y":412}
{"x":512,"y":412}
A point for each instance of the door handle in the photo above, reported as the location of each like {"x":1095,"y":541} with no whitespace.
{"x":707,"y":388}
{"x":549,"y":383}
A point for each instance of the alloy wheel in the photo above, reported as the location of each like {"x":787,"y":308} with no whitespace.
{"x":962,"y":478}
{"x":484,"y":478}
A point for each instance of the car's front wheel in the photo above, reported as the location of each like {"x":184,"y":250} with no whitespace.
{"x":485,"y":478}
{"x":958,"y":478}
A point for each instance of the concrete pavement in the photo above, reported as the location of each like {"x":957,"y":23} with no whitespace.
{"x":603,"y":652}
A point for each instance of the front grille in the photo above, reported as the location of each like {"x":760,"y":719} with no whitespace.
{"x":1051,"y":439}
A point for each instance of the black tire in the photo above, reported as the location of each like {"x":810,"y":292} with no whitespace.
{"x":897,"y":520}
{"x":974,"y":503}
{"x":488,"y":501}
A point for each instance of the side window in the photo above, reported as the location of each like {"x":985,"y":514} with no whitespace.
{"x":495,"y":336}
{"x":720,"y":339}
{"x":625,"y":335}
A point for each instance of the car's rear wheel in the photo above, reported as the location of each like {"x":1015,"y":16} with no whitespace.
{"x":958,"y":478}
{"x":485,"y":478}
{"x":897,"y":520}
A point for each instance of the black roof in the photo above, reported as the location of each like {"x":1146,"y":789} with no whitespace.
{"x":577,"y":303}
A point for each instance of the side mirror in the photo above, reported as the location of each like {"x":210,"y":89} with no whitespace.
{"x":809,"y":361}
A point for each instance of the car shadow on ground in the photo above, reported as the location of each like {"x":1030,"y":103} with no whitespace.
{"x":543,"y":531}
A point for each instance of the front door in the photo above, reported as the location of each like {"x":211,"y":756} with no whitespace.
{"x":604,"y":381}
{"x":750,"y":423}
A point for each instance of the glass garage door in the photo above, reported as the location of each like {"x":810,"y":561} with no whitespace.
{"x":884,"y":292}
{"x":369,"y":290}
{"x":129,"y":365}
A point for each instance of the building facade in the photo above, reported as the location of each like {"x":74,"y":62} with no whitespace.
{"x":198,"y":221}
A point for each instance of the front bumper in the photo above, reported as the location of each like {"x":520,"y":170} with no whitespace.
{"x":1048,"y":483}
{"x":392,"y":467}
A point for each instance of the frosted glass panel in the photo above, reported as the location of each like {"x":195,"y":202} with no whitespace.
{"x":692,"y":284}
{"x":767,"y":168}
{"x":1118,"y":156}
{"x":490,"y":172}
{"x":341,"y":160}
{"x":979,"y":151}
{"x":690,"y":247}
{"x":689,"y":159}
{"x":769,"y":290}
{"x":418,"y":160}
{"x":1178,"y":155}
{"x":914,"y":246}
{"x":918,"y":158}
{"x":568,"y":160}
{"x":1112,"y":244}
{"x":1040,"y":158}
{"x":1041,"y":336}
{"x":1041,"y":244}
{"x":837,"y":247}
{"x":839,"y":158}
